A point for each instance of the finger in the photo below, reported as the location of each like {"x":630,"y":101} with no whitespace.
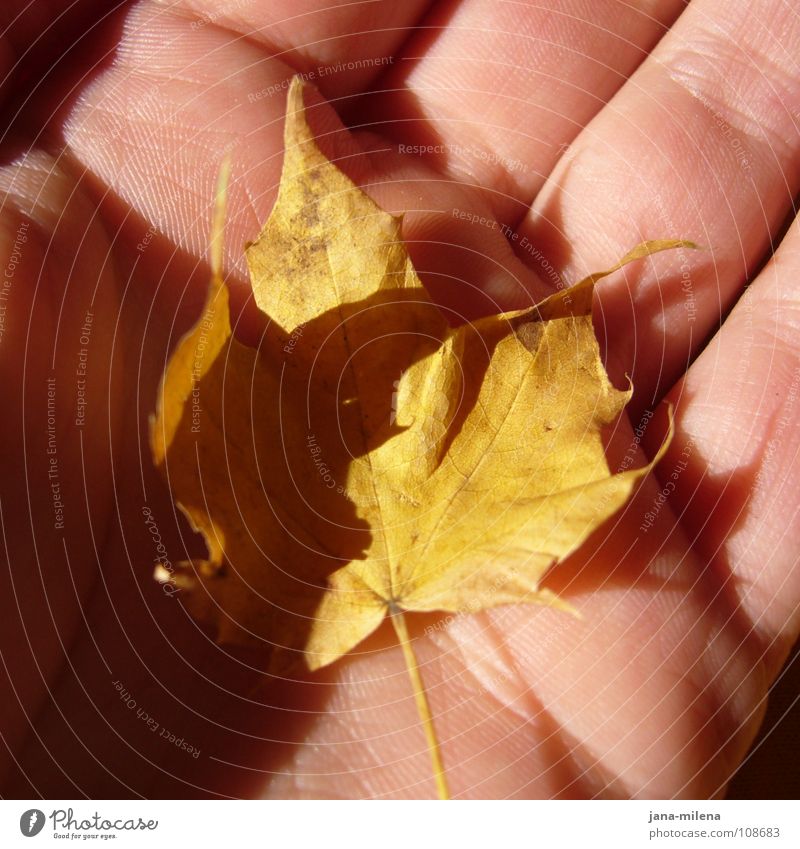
{"x":150,"y":132}
{"x":58,"y":308}
{"x":703,"y":142}
{"x":341,"y":47}
{"x":738,"y":405}
{"x":495,"y":91}
{"x":191,"y":83}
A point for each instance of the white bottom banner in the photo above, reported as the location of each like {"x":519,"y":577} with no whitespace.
{"x":404,"y":825}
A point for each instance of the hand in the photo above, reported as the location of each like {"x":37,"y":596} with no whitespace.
{"x":530,"y":147}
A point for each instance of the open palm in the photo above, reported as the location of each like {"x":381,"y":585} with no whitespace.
{"x":530,"y":146}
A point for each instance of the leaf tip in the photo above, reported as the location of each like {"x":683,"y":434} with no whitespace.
{"x":670,"y":435}
{"x":297,"y":86}
{"x":550,"y":599}
{"x":216,"y":240}
{"x":296,"y":130}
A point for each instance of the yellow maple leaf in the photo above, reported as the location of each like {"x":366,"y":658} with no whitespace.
{"x":368,"y":458}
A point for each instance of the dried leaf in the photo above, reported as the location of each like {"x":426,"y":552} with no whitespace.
{"x":368,"y":458}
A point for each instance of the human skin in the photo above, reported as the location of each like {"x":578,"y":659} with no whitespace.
{"x":583,"y":129}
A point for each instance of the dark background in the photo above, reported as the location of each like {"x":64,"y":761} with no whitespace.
{"x":772,"y":767}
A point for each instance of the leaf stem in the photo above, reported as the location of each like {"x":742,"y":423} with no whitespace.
{"x":423,"y":708}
